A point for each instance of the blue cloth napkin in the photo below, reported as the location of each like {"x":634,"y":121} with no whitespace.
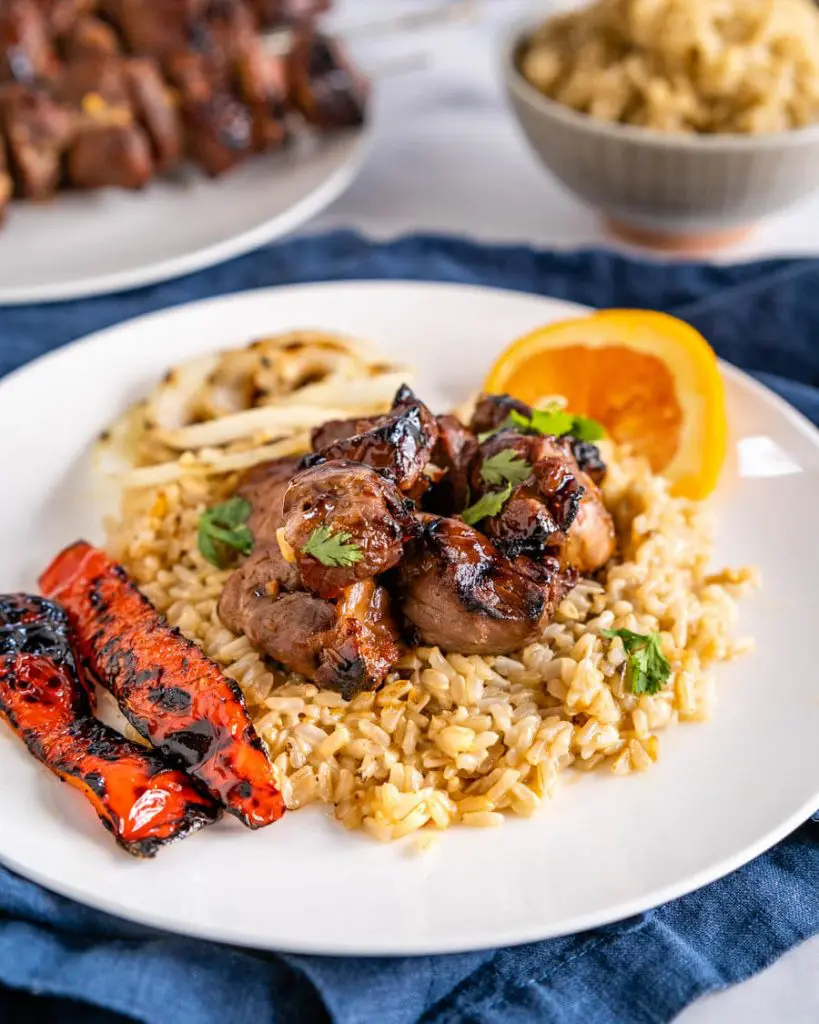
{"x":61,"y":962}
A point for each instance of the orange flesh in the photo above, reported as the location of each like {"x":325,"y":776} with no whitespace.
{"x":616,"y":385}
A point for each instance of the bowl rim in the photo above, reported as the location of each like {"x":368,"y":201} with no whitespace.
{"x":522,"y":29}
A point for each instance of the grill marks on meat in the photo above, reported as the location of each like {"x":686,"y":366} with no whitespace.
{"x":348,"y":498}
{"x":140,"y":798}
{"x":171,"y":693}
{"x":398,"y":444}
{"x":462,"y":594}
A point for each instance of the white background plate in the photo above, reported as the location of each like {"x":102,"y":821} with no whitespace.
{"x":603,"y":849}
{"x":90,"y":243}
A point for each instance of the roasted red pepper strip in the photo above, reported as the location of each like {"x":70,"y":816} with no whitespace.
{"x":139,"y":798}
{"x":168,"y":690}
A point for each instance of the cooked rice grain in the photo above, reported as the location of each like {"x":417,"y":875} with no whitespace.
{"x":452,"y":739}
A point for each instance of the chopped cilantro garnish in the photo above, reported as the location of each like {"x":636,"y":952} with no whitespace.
{"x":505,"y":467}
{"x":648,"y":666}
{"x":223,"y":531}
{"x":489,"y":505}
{"x":332,"y":549}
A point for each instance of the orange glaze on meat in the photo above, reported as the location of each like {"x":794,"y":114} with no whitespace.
{"x":167,"y":688}
{"x":140,"y":799}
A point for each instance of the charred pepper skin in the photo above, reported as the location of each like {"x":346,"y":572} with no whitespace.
{"x":143,"y":801}
{"x":170,"y":692}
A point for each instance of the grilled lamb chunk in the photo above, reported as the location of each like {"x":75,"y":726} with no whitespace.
{"x":26,"y":54}
{"x":288,"y":626}
{"x":218,"y":127}
{"x":460,"y":593}
{"x":38,"y":131}
{"x":155,"y":110}
{"x":398,"y":444}
{"x":262,"y":78}
{"x":356,"y":506}
{"x":110,"y":156}
{"x":153,"y":29}
{"x":557,"y":511}
{"x":326,"y":89}
{"x":363,"y":646}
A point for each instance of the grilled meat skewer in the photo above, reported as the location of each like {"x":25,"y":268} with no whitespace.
{"x":169,"y":691}
{"x":140,"y":798}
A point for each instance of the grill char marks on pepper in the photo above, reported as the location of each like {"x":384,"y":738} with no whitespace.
{"x":150,"y":668}
{"x":142,"y":800}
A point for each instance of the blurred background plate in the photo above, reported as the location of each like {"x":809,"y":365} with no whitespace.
{"x":98,"y":242}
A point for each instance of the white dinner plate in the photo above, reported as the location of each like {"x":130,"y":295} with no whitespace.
{"x":93,"y":243}
{"x":603,"y":849}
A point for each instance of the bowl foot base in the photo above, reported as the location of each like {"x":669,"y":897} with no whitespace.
{"x":697,"y":242}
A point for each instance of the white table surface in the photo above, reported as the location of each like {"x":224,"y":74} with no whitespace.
{"x":448,"y":158}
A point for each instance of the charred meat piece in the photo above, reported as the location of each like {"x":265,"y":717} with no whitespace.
{"x":26,"y":54}
{"x":347,"y":646}
{"x":289,"y":626}
{"x":588,"y":458}
{"x":170,"y":692}
{"x":492,"y":411}
{"x":155,"y":110}
{"x":363,"y":646}
{"x":218,"y":127}
{"x":543,"y":505}
{"x":109,"y":148}
{"x":460,"y":593}
{"x":38,"y":131}
{"x":326,"y":89}
{"x":140,"y":798}
{"x":344,"y":523}
{"x":557,"y":510}
{"x":398,"y":444}
{"x":110,"y":156}
{"x":454,"y":454}
{"x":262,"y":78}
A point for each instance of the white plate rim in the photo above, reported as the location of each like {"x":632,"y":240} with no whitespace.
{"x":622,"y":911}
{"x":268,"y":231}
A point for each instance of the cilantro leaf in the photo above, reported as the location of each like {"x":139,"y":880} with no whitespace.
{"x":223,"y":531}
{"x":489,"y":505}
{"x":555,"y":422}
{"x":649,"y":668}
{"x":332,"y":549}
{"x":584,"y":428}
{"x":552,"y":421}
{"x":505,"y":467}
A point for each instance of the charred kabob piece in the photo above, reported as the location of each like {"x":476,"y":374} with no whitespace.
{"x":170,"y":692}
{"x":140,"y":798}
{"x":461,"y":593}
{"x":348,"y":644}
{"x":344,"y":523}
{"x":325,"y":88}
{"x":398,"y":444}
{"x":26,"y":52}
{"x":38,"y":131}
{"x":547,"y":505}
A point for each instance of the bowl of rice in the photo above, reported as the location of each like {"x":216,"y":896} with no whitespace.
{"x":684,"y":122}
